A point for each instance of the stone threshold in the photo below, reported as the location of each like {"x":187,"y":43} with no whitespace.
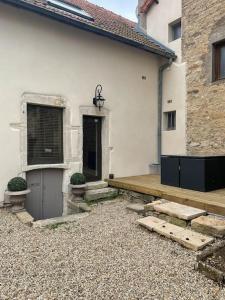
{"x":59,"y":220}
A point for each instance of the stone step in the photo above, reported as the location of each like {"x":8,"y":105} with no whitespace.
{"x":101,"y":194}
{"x":211,"y":225}
{"x":187,"y":238}
{"x":179,"y":211}
{"x":136,"y":207}
{"x":97,"y":185}
{"x":59,"y":220}
{"x":25,"y":217}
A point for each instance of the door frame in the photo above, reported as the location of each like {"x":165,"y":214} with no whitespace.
{"x":99,"y":147}
{"x":106,"y":149}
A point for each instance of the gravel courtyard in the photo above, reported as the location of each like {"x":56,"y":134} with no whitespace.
{"x":104,"y":256}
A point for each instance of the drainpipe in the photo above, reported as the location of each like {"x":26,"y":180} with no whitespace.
{"x":160,"y":100}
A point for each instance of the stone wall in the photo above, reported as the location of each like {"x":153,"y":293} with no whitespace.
{"x":203,"y":24}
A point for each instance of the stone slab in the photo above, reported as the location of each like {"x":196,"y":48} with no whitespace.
{"x":151,"y":206}
{"x":101,"y":194}
{"x":168,"y":230}
{"x":25,"y":217}
{"x":192,"y":240}
{"x":59,"y":220}
{"x":210,"y":225}
{"x":150,"y":222}
{"x":179,"y":211}
{"x":172,"y":220}
{"x":187,"y":238}
{"x":97,"y":185}
{"x":136,"y":207}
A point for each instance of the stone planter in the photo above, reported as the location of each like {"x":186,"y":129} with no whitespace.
{"x":17,"y":199}
{"x":78,"y":191}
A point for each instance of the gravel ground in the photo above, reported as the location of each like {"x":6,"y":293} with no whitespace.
{"x":104,"y":256}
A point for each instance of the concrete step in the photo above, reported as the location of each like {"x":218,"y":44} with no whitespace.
{"x":179,"y":211}
{"x":101,"y":194}
{"x":187,"y":238}
{"x":97,"y":185}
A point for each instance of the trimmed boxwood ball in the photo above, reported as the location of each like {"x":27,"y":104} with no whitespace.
{"x":17,"y":184}
{"x":77,"y":179}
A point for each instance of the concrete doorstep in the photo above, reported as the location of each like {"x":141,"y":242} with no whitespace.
{"x":187,"y":238}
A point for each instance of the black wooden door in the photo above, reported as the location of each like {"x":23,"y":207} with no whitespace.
{"x":92,"y":148}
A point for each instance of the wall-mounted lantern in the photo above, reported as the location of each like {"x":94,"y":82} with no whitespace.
{"x":98,"y":100}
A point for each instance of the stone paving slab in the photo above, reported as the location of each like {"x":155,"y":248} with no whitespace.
{"x":150,"y":222}
{"x":210,"y":225}
{"x":187,"y":238}
{"x":179,"y":211}
{"x":192,"y":240}
{"x":25,"y":217}
{"x":59,"y":220}
{"x":136,"y":207}
{"x":168,"y":230}
{"x":151,"y":206}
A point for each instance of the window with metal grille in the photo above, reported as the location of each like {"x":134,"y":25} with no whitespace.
{"x":44,"y":134}
{"x":170,"y":120}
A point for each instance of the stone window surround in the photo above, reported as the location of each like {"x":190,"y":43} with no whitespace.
{"x":215,"y":38}
{"x":48,"y":100}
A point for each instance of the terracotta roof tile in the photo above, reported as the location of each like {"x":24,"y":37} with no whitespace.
{"x":104,"y":21}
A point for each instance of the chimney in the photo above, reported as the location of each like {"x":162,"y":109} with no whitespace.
{"x":142,"y":22}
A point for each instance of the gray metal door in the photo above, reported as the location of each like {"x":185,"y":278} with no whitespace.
{"x":46,"y":198}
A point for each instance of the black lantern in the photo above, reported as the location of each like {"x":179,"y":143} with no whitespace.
{"x":98,"y":100}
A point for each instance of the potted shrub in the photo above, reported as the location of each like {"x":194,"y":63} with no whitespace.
{"x":78,"y":185}
{"x":17,"y":191}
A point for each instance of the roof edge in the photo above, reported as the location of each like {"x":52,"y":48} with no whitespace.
{"x":86,"y":27}
{"x":147,"y":5}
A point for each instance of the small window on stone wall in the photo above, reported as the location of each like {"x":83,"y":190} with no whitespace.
{"x":219,"y":61}
{"x":175,"y":30}
{"x":170,"y":120}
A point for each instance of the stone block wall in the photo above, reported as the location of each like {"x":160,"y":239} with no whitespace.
{"x":203,"y":24}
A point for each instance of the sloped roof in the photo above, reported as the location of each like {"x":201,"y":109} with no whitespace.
{"x":104,"y":22}
{"x":146,"y":5}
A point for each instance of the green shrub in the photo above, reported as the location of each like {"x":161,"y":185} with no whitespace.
{"x":77,"y":179}
{"x":17,"y":184}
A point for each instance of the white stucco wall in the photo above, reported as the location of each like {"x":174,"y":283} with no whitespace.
{"x":159,"y":17}
{"x":42,"y":56}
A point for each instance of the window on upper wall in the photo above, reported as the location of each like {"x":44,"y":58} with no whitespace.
{"x":170,"y":120}
{"x":175,"y":30}
{"x":219,"y":61}
{"x":44,"y":134}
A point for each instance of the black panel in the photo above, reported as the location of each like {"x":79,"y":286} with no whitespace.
{"x":192,"y":174}
{"x":170,"y":171}
{"x":92,"y":148}
{"x":199,"y":173}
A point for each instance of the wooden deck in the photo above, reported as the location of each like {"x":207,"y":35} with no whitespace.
{"x":213,"y":202}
